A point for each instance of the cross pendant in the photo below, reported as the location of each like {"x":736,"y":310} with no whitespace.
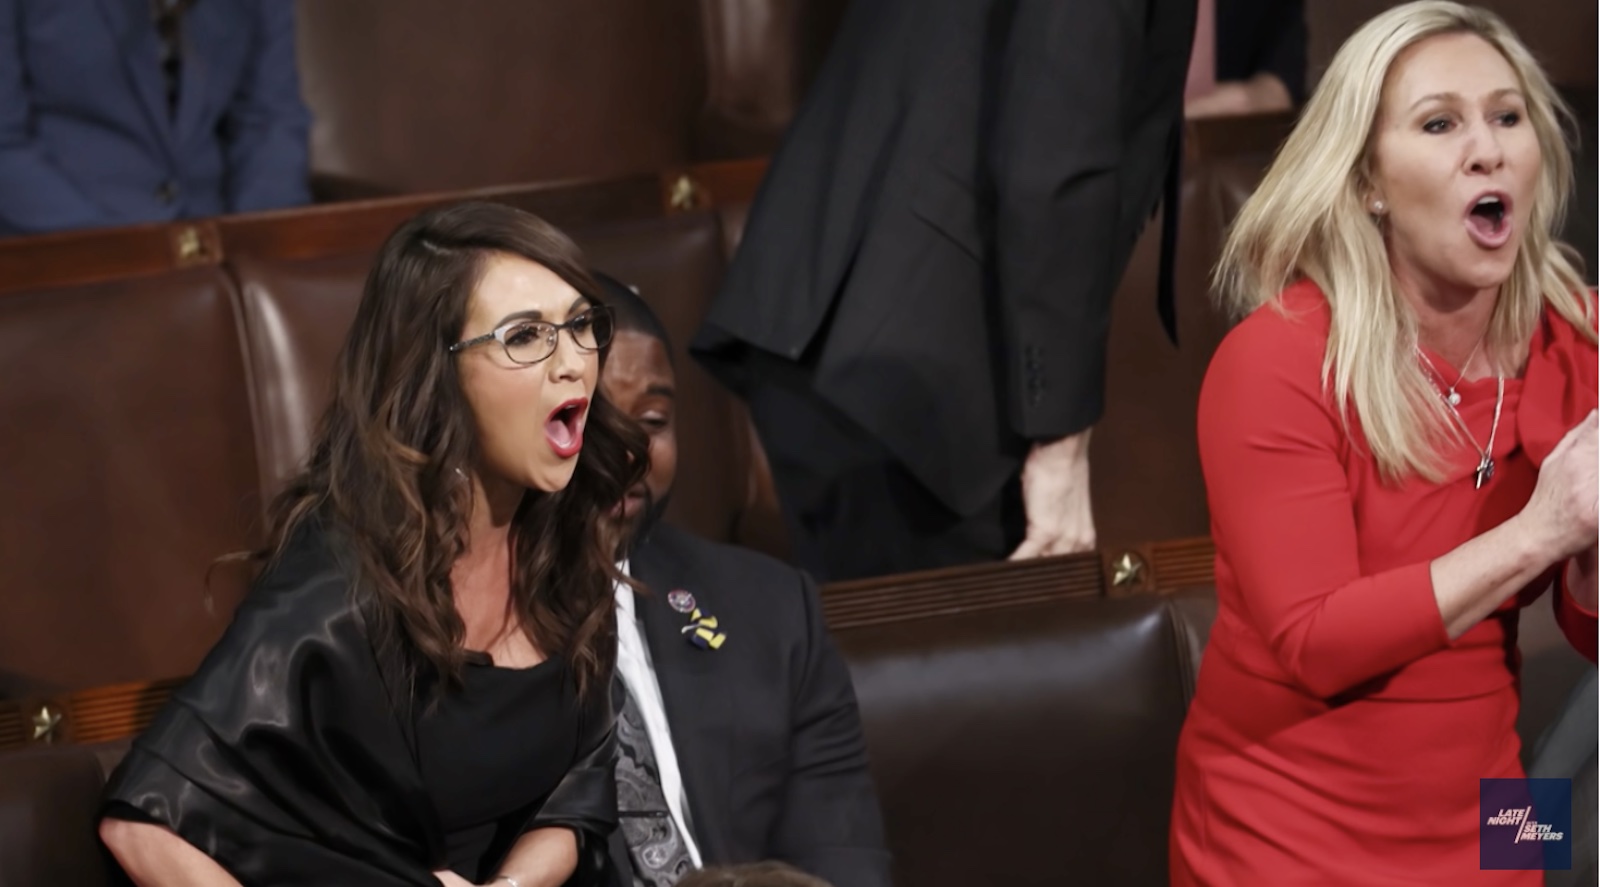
{"x":1484,"y":473}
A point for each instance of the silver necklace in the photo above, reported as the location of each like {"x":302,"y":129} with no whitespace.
{"x":1453,"y":397}
{"x":1485,"y":470}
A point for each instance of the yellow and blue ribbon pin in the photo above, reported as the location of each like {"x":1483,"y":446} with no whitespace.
{"x":702,"y":631}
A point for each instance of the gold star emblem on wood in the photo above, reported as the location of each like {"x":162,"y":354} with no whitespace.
{"x":1127,"y":569}
{"x":685,"y":194}
{"x":45,"y":721}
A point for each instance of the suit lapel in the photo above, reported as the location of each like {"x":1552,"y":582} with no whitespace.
{"x":139,"y":45}
{"x":218,"y":29}
{"x":693,"y":690}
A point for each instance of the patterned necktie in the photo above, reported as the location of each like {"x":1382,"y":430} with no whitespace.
{"x":657,"y":850}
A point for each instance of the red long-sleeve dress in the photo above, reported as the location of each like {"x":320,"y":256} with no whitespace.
{"x":1337,"y":734}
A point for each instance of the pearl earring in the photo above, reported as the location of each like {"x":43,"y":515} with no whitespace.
{"x":1378,"y":207}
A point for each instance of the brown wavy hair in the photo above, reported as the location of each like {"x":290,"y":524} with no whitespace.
{"x":382,"y":473}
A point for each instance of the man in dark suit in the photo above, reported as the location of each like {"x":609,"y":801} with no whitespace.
{"x":917,"y":314}
{"x":114,"y":112}
{"x":739,"y":739}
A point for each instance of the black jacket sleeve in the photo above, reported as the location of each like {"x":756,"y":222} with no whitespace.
{"x":1057,"y":144}
{"x":830,"y":824}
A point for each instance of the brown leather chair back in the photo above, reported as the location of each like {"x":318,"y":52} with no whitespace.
{"x":297,"y":313}
{"x":49,"y":810}
{"x":419,"y":95}
{"x":410,"y":95}
{"x":128,"y":465}
{"x":1025,"y":745}
{"x":759,"y":57}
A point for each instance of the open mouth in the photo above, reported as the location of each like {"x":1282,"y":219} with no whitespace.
{"x":564,"y":428}
{"x":1489,"y":220}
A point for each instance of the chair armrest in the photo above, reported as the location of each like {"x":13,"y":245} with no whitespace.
{"x":49,"y":809}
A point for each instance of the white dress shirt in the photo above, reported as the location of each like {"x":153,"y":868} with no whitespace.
{"x":639,"y":676}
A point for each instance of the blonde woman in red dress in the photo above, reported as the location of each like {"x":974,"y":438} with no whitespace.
{"x":1399,"y":450}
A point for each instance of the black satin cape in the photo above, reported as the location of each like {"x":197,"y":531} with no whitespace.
{"x":290,"y":756}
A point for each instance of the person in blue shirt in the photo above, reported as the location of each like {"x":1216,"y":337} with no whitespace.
{"x":116,"y":112}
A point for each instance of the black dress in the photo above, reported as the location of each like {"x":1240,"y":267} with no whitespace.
{"x":295,"y":756}
{"x":491,"y":753}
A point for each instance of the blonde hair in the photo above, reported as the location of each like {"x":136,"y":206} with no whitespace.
{"x":1308,"y":220}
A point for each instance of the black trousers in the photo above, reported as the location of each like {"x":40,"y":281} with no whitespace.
{"x":853,"y":511}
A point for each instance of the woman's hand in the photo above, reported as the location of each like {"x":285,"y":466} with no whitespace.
{"x":544,"y":857}
{"x":1557,"y":523}
{"x":451,"y":879}
{"x":1562,"y":510}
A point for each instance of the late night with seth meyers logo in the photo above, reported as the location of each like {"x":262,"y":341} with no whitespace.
{"x":1527,"y":828}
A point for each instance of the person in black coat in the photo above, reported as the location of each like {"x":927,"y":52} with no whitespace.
{"x":918,"y":312}
{"x":757,"y":738}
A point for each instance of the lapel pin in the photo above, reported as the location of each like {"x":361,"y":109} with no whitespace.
{"x":680,"y":600}
{"x":702,"y":631}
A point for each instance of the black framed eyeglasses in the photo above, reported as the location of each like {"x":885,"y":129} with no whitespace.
{"x":530,"y":341}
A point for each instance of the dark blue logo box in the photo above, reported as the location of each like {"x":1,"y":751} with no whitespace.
{"x":1525,"y":824}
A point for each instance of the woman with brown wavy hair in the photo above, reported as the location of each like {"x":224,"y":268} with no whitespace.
{"x":416,"y":690}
